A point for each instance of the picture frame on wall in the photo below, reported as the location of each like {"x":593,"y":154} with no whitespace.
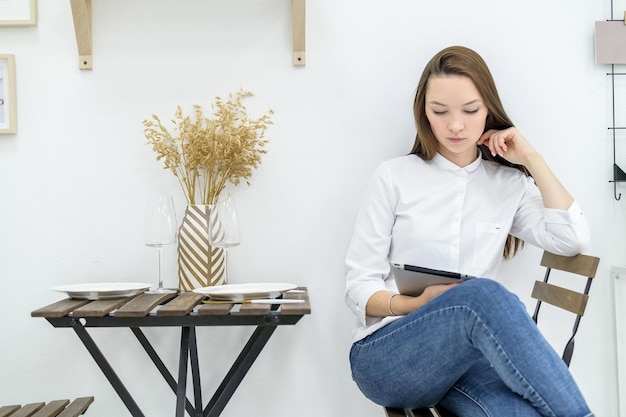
{"x":8,"y":107}
{"x":18,"y":13}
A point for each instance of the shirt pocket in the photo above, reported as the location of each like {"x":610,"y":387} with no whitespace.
{"x":489,"y":244}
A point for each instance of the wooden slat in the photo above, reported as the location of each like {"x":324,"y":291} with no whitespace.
{"x":52,"y":409}
{"x":28,"y":410}
{"x":59,"y":309}
{"x":100,"y":308}
{"x":180,"y":305}
{"x":421,"y":412}
{"x":564,"y":298}
{"x":255,"y":309}
{"x":584,"y":265}
{"x":58,"y":408}
{"x":442,"y":412}
{"x":77,"y":407}
{"x":142,"y":305}
{"x":215,"y":309}
{"x":300,"y":308}
{"x":394,"y":412}
{"x":7,"y":410}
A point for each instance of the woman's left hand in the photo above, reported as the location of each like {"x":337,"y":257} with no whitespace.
{"x":513,"y":146}
{"x":508,"y":143}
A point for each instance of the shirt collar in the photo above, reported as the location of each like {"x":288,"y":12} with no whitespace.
{"x":452,"y":167}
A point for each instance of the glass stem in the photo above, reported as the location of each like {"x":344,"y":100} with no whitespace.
{"x":160,"y":249}
{"x":225,"y":265}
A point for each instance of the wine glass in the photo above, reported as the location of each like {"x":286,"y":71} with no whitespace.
{"x":160,"y":231}
{"x":224,"y":228}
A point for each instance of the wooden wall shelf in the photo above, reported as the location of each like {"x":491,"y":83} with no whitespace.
{"x":81,"y":12}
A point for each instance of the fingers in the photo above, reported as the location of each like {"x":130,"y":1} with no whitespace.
{"x":485,"y":136}
{"x":496,"y":140}
{"x":435,"y":290}
{"x":498,"y":143}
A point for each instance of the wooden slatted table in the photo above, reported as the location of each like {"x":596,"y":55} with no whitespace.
{"x":186,"y":311}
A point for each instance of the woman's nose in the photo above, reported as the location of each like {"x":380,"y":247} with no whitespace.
{"x":455,"y":125}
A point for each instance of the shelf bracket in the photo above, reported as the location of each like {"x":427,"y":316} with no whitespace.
{"x":81,"y":12}
{"x":298,"y":19}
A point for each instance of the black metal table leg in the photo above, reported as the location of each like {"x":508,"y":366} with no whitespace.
{"x":195,"y":372}
{"x":181,"y":388}
{"x":239,"y":369}
{"x":106,"y":368}
{"x":145,"y":343}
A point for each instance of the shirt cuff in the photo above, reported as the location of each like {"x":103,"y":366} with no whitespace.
{"x":358,"y":304}
{"x":569,"y":216}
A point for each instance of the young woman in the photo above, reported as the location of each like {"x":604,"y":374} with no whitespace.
{"x":469,"y":194}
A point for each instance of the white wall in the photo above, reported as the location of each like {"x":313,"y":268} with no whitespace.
{"x":74,"y":179}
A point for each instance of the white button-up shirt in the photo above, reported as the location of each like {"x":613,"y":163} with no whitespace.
{"x":438,"y":215}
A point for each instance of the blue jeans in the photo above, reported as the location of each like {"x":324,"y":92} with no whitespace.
{"x":475,"y":350}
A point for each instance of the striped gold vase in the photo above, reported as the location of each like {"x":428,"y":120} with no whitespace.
{"x":199,"y":264}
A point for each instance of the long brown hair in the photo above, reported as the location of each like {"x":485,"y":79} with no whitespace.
{"x":459,"y":60}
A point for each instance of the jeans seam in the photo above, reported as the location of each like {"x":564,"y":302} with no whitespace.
{"x":465,"y":394}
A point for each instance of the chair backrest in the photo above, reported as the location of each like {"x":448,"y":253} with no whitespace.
{"x":573,"y":301}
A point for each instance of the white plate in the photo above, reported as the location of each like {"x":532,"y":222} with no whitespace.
{"x":102,"y":290}
{"x":240,"y":292}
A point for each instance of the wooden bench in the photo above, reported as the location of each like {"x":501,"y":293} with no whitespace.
{"x":58,"y":408}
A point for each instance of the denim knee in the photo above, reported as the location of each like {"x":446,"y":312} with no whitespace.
{"x":484,"y":286}
{"x":485,"y":292}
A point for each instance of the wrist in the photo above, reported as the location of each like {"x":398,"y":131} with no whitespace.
{"x":389,"y":306}
{"x":534,"y":161}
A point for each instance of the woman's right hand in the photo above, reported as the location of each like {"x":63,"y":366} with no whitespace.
{"x":436,"y":290}
{"x":381,"y":302}
{"x":410,"y":304}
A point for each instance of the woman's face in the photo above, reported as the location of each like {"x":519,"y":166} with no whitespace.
{"x":457,"y":116}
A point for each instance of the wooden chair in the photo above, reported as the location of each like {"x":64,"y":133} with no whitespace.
{"x":573,"y":301}
{"x":59,"y":408}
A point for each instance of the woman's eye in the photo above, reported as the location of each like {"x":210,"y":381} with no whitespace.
{"x":471,"y":111}
{"x":439,"y":112}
